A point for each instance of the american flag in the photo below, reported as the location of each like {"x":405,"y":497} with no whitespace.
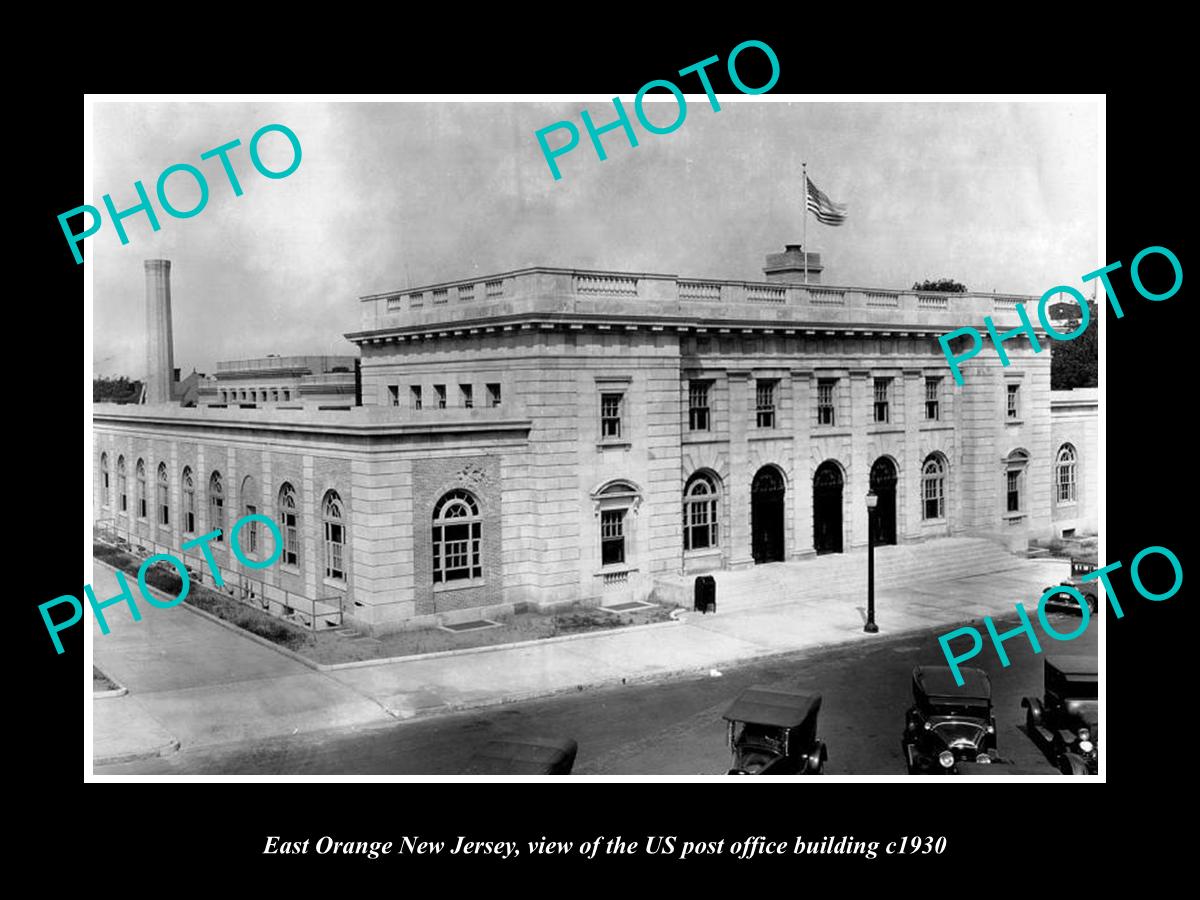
{"x":825,"y":210}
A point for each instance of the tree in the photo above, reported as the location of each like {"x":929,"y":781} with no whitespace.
{"x":115,"y":390}
{"x":1076,"y":363}
{"x":949,"y":285}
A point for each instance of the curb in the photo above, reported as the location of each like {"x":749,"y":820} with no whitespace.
{"x":118,"y":758}
{"x":119,"y":691}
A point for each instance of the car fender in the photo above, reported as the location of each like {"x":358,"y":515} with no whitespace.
{"x":1073,"y":764}
{"x":1034,"y":705}
{"x":816,"y":759}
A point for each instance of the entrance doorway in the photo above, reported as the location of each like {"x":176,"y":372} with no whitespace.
{"x":827,"y":508}
{"x":883,"y":483}
{"x":766,"y":515}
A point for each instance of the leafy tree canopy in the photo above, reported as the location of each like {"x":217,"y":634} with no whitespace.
{"x":942,"y":284}
{"x":118,"y":389}
{"x":1076,"y":363}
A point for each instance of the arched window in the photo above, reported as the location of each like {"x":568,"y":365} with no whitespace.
{"x":288,"y":524}
{"x":700,"y":512}
{"x":456,"y":538}
{"x":1066,"y":473}
{"x":189,"y":501}
{"x":122,"y":485}
{"x":216,"y":505}
{"x":1014,"y":479}
{"x":140,"y":471}
{"x":164,"y":506}
{"x":933,"y":487}
{"x":335,"y":536}
{"x":104,"y":479}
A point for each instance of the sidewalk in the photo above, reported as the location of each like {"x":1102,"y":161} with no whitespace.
{"x":200,"y":683}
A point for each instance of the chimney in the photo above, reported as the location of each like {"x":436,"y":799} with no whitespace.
{"x":160,"y":352}
{"x":788,"y":266}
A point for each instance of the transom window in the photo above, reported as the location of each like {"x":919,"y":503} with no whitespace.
{"x":216,"y":505}
{"x":334,"y":520}
{"x":933,"y":391}
{"x":610,"y":414}
{"x":765,"y":402}
{"x":698,"y":406}
{"x":140,"y":472}
{"x":457,"y":528}
{"x":189,"y":501}
{"x":826,"y":410}
{"x":122,"y":485}
{"x":164,"y":507}
{"x":700,"y":513}
{"x":1066,"y":472}
{"x":882,"y":411}
{"x":288,"y":523}
{"x":933,"y":487}
{"x":1014,"y":401}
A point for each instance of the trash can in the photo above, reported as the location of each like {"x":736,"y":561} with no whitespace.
{"x":706,"y":594}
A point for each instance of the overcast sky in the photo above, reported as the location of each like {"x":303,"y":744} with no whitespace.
{"x":1001,"y":196}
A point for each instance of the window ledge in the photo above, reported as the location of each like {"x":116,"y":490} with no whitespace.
{"x":885,"y":428}
{"x":700,"y":554}
{"x":1014,"y":421}
{"x":1066,"y":504}
{"x":831,"y":431}
{"x":615,"y":569}
{"x":290,"y":569}
{"x":1013,"y":517}
{"x":933,"y":523}
{"x":459,"y":584}
{"x":762,"y":434}
{"x":613,"y":444}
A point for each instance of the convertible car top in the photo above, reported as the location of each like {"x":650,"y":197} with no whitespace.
{"x":525,"y":756}
{"x":774,"y":707}
{"x":937,"y":684}
{"x":1072,"y":668}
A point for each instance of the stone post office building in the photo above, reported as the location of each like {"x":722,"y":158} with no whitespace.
{"x":551,"y":435}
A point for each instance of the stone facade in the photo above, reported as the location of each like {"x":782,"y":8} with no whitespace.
{"x":570,"y":411}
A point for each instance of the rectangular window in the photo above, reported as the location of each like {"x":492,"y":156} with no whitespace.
{"x":1014,"y":491}
{"x":122,"y":484}
{"x":698,"y":406}
{"x":493,"y":391}
{"x":164,"y":511}
{"x":882,"y":410}
{"x":334,"y":539}
{"x":468,"y":395}
{"x":612,"y":537}
{"x":216,"y":517}
{"x":440,"y":390}
{"x":610,"y":415}
{"x":826,"y":407}
{"x":189,"y":511}
{"x":290,"y":540}
{"x":275,"y":395}
{"x":252,"y":529}
{"x":765,"y":402}
{"x":394,"y":394}
{"x":287,"y":394}
{"x":933,"y":391}
{"x":414,"y":394}
{"x":1014,"y":402}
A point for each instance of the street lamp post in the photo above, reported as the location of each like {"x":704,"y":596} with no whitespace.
{"x":872,"y":502}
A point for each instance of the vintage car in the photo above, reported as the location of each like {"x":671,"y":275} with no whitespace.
{"x":1065,"y":724}
{"x":1064,"y":602}
{"x":774,"y":732}
{"x":525,"y":755}
{"x":948,"y":724}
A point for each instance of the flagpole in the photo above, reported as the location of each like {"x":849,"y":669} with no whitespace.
{"x":804,"y":245}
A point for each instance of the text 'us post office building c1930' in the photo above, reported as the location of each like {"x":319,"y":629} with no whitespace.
{"x":552,"y":435}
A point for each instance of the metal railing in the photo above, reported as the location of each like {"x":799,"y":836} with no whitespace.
{"x":280,"y":603}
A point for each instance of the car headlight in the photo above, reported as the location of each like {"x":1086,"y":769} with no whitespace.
{"x":946,"y":758}
{"x":1086,"y":746}
{"x":928,"y":726}
{"x":983,"y":758}
{"x":1085,"y":734}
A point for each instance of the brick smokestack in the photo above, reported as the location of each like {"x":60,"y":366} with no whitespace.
{"x":160,"y":352}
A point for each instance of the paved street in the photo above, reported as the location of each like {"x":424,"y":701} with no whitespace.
{"x":657,"y":729}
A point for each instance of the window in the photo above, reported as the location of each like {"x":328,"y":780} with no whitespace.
{"x":288,"y":525}
{"x":287,"y":394}
{"x":933,"y":390}
{"x":252,"y":532}
{"x":612,"y":537}
{"x":164,"y":508}
{"x":468,"y":395}
{"x":493,"y":391}
{"x":189,"y":501}
{"x":700,"y":513}
{"x":414,"y":396}
{"x":335,"y":537}
{"x":456,"y":538}
{"x":274,"y":395}
{"x":440,"y":390}
{"x":1014,"y":401}
{"x":1065,"y":470}
{"x":698,"y":406}
{"x":882,"y":412}
{"x":826,"y":409}
{"x":765,"y":402}
{"x":140,"y":472}
{"x":933,"y":487}
{"x":610,"y":415}
{"x":104,"y":479}
{"x":216,"y":505}
{"x":1015,"y":466}
{"x":122,"y":485}
{"x":394,"y":394}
